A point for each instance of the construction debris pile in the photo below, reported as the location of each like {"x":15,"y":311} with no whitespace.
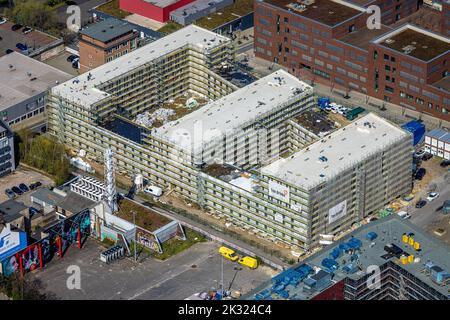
{"x":147,"y":118}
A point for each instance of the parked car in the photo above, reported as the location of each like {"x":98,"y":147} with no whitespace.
{"x":35,"y":185}
{"x":420,"y":174}
{"x":446,"y":207}
{"x":17,"y":190}
{"x":16,"y":27}
{"x":27,"y":30}
{"x":421,"y":203}
{"x":8,"y":51}
{"x":72,"y":57}
{"x":23,"y":187}
{"x":10,"y":193}
{"x":432,"y":196}
{"x":419,"y":154}
{"x":404,"y":214}
{"x":75,"y":63}
{"x":445,"y":163}
{"x":3,"y":20}
{"x":21,"y":46}
{"x":427,"y":156}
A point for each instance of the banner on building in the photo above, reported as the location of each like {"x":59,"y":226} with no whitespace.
{"x":337,"y":212}
{"x":278,"y":191}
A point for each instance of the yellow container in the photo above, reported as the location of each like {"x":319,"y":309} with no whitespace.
{"x":410,"y":258}
{"x":411,"y":241}
{"x":404,"y":260}
{"x":417,"y":245}
{"x":405,"y":238}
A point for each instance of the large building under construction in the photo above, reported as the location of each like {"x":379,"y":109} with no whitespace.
{"x":230,"y":149}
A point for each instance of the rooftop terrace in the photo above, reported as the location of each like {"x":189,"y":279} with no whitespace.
{"x":415,"y":42}
{"x":83,"y":89}
{"x":341,"y":149}
{"x":369,"y":243}
{"x":327,"y":12}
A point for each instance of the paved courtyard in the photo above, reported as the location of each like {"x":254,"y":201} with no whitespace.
{"x":195,"y":270}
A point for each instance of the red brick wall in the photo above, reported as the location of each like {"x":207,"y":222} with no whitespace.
{"x":149,"y":10}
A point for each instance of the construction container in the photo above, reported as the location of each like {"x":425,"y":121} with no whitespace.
{"x":417,"y":129}
{"x":352,"y":114}
{"x":249,"y":262}
{"x":228,"y":253}
{"x":416,"y":245}
{"x":405,"y":238}
{"x":404,"y":259}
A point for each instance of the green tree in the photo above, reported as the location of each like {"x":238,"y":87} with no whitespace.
{"x":32,"y":13}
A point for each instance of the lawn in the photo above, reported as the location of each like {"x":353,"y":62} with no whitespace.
{"x":174,"y":246}
{"x":238,"y":9}
{"x":112,"y":8}
{"x":170,"y":27}
{"x":145,"y":218}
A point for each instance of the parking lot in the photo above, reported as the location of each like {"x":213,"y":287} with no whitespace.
{"x":60,"y":62}
{"x":22,"y":175}
{"x":33,"y":40}
{"x":194,"y":270}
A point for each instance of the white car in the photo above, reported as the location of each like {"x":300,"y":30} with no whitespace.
{"x":3,"y":20}
{"x":404,"y":214}
{"x":432,"y":196}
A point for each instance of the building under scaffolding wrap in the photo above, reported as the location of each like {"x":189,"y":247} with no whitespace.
{"x":225,"y":155}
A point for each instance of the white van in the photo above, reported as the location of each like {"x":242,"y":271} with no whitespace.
{"x":404,"y":214}
{"x":154,"y":190}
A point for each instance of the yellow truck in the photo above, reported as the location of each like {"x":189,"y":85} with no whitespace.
{"x":249,"y":262}
{"x":228,"y":253}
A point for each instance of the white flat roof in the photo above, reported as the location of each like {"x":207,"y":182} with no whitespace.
{"x":233,"y":111}
{"x":22,"y":77}
{"x":84,"y":92}
{"x":342,"y":149}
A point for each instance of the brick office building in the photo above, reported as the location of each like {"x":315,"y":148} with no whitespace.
{"x":329,"y":42}
{"x":105,"y":41}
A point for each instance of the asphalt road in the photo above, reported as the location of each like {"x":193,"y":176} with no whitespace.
{"x":194,"y":270}
{"x":431,"y":212}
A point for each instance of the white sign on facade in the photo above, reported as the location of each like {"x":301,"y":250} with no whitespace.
{"x":337,"y":212}
{"x":278,"y":191}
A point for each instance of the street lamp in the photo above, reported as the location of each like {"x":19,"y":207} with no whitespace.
{"x":135,"y":232}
